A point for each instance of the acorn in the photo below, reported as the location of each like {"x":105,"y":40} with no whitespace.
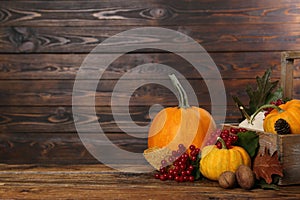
{"x":282,"y":127}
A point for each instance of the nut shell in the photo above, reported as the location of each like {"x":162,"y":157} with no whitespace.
{"x":245,"y":177}
{"x":227,"y":180}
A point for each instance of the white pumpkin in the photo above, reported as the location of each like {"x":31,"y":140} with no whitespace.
{"x":257,"y":122}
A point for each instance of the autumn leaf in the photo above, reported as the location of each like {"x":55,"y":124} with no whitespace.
{"x":265,"y":165}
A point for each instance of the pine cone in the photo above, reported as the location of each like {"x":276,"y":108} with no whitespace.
{"x":282,"y":127}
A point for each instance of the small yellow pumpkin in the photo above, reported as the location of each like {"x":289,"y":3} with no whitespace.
{"x":215,"y":161}
{"x":180,"y":125}
{"x":290,"y":112}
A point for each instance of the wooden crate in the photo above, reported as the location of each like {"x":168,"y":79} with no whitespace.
{"x":288,"y":148}
{"x":289,"y":145}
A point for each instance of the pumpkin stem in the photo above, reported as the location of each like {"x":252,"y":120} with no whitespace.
{"x":246,"y":115}
{"x":280,"y":110}
{"x":183,"y":100}
{"x":222,"y":142}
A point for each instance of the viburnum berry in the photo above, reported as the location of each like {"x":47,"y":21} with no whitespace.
{"x":235,"y":138}
{"x":193,"y":158}
{"x":241,"y":130}
{"x":163,"y":177}
{"x":188,"y":172}
{"x":164,"y":163}
{"x":233,"y":130}
{"x":171,"y":159}
{"x":185,"y":178}
{"x":192,"y":147}
{"x":212,"y":137}
{"x":174,"y":154}
{"x":181,"y":168}
{"x":229,"y":137}
{"x":278,"y":102}
{"x":177,"y":178}
{"x":191,"y":178}
{"x":219,"y":145}
{"x":163,"y":170}
{"x":225,"y":131}
{"x":170,"y":177}
{"x":228,"y":144}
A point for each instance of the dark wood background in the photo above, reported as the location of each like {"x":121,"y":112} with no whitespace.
{"x":43,"y":44}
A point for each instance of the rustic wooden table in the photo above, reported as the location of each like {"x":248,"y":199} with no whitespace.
{"x":101,"y":182}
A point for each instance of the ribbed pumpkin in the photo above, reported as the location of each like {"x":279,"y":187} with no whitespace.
{"x":180,"y":125}
{"x":215,"y":161}
{"x":290,"y":112}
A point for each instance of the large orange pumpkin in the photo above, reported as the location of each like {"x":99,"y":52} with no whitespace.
{"x":180,"y":125}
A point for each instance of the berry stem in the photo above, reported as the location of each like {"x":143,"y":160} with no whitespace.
{"x":222,"y":142}
{"x":183,"y":100}
{"x":280,"y":110}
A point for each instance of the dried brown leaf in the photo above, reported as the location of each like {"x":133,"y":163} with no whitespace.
{"x":265,"y":165}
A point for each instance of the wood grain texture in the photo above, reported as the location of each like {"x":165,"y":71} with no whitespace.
{"x":289,"y":64}
{"x":108,"y":13}
{"x":65,"y":66}
{"x":229,"y":37}
{"x":100,"y":182}
{"x":287,"y":78}
{"x":296,"y":92}
{"x":43,"y":44}
{"x":60,"y":119}
{"x":61,"y":148}
{"x":59,"y":92}
{"x":289,"y":149}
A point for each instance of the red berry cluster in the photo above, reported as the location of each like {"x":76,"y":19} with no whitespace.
{"x":278,"y":102}
{"x":212,"y":138}
{"x":229,"y":137}
{"x":181,"y":168}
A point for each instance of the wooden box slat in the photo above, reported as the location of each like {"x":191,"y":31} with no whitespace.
{"x":287,"y":71}
{"x":289,"y":148}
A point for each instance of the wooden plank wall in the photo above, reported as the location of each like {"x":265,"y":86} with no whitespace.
{"x":43,"y":44}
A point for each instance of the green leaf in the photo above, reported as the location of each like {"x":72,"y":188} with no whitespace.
{"x":258,"y":96}
{"x":196,"y":164}
{"x":264,"y":185}
{"x":249,"y":141}
{"x":197,"y":174}
{"x":262,"y":94}
{"x":277,"y":94}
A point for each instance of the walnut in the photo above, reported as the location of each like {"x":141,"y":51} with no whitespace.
{"x":245,"y":177}
{"x":227,"y":180}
